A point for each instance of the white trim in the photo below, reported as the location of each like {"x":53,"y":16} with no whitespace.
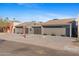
{"x":70,"y":30}
{"x":42,"y":30}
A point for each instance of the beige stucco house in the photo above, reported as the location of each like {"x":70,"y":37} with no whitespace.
{"x":55,"y":27}
{"x":60,"y":27}
{"x":19,"y":29}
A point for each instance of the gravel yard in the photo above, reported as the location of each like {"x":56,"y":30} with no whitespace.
{"x":16,"y":44}
{"x":11,"y":48}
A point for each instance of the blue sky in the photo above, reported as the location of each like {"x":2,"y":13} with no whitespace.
{"x":38,"y":11}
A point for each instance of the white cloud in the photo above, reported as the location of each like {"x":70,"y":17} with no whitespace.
{"x":49,"y":16}
{"x":20,"y":3}
{"x":29,"y":5}
{"x":40,"y":18}
{"x":59,"y":16}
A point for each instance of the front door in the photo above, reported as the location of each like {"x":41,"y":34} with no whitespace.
{"x":26,"y":30}
{"x":37,"y":30}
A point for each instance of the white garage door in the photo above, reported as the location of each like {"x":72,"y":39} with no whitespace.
{"x":18,"y":30}
{"x":56,"y":31}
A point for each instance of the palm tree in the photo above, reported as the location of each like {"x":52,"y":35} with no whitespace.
{"x":14,"y":20}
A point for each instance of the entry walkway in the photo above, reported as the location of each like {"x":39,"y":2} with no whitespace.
{"x":54,"y":42}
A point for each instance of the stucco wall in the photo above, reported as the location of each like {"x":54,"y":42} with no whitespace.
{"x":30,"y":30}
{"x":78,"y":26}
{"x":18,"y":30}
{"x":14,"y":24}
{"x":56,"y":31}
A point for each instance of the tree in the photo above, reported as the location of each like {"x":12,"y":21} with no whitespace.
{"x":4,"y":22}
{"x":6,"y":19}
{"x":14,"y":20}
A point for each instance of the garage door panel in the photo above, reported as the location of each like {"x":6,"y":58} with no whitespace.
{"x":56,"y":31}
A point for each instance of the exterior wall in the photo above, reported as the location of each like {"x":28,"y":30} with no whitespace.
{"x":28,"y":25}
{"x":30,"y":30}
{"x":55,"y":31}
{"x":18,"y":30}
{"x":14,"y":24}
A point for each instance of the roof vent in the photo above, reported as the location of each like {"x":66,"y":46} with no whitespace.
{"x":55,"y":19}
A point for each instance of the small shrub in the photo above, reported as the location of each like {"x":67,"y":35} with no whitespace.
{"x":44,"y":34}
{"x":53,"y":35}
{"x":62,"y":35}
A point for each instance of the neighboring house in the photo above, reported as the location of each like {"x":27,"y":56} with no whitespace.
{"x":37,"y":28}
{"x":6,"y":26}
{"x":60,"y":27}
{"x":26,"y":26}
{"x":56,"y":27}
{"x":14,"y":25}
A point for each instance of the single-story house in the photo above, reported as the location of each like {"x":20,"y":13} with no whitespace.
{"x":24,"y":27}
{"x":14,"y":26}
{"x":58,"y":27}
